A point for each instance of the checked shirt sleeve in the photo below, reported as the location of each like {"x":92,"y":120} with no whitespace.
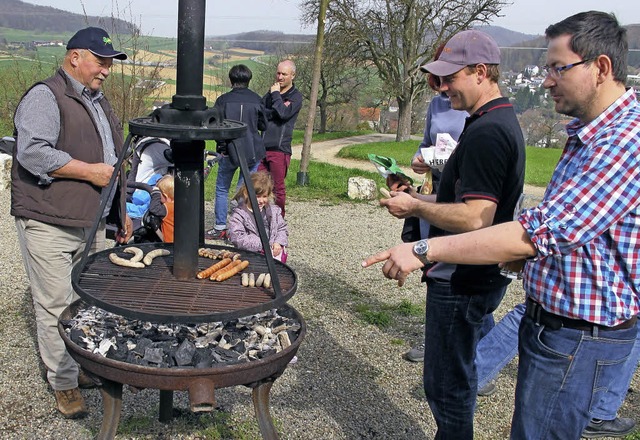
{"x":595,"y":186}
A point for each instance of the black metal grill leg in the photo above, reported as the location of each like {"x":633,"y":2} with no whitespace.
{"x":260,"y":396}
{"x":112,"y":405}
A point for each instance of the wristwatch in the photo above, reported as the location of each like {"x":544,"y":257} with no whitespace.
{"x":420,"y":250}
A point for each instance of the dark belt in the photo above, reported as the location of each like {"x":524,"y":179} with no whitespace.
{"x":555,"y":322}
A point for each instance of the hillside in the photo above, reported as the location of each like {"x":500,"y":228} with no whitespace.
{"x":17,"y":14}
{"x":38,"y":20}
{"x":505,"y":37}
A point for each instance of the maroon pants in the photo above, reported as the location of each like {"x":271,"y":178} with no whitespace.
{"x":277,"y":164}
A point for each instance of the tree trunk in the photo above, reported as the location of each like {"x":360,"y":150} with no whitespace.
{"x":323,"y":119}
{"x":404,"y":119}
{"x":313,"y":99}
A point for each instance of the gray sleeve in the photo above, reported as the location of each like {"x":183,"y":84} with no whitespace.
{"x":38,"y":124}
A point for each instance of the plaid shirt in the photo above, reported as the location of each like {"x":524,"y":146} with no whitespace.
{"x":586,"y":230}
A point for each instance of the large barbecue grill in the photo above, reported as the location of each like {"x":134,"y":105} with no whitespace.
{"x":154,"y":294}
{"x":168,"y":290}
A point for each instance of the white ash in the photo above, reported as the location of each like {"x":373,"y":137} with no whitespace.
{"x":181,"y":345}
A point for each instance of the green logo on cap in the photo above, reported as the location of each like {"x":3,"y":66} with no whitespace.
{"x":106,"y":40}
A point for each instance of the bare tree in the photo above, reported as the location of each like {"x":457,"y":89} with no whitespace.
{"x":543,"y":127}
{"x":342,"y":78}
{"x":16,"y":80}
{"x":302,"y":177}
{"x":398,"y":36}
{"x":134,"y":82}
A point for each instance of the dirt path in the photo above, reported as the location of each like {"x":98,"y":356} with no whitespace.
{"x":326,"y":152}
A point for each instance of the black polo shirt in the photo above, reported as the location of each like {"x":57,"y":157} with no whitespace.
{"x":488,"y":163}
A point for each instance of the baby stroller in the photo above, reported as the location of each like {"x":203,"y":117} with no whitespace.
{"x":7,"y":144}
{"x":150,"y":160}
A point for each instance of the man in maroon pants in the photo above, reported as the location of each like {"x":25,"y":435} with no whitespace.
{"x":282,"y":104}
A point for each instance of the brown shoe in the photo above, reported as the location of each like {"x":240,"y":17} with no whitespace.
{"x":71,"y":403}
{"x":85,"y":381}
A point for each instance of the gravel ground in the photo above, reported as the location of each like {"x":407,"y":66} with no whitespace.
{"x":350,"y":381}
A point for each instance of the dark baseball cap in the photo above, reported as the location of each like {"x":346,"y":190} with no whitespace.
{"x":465,"y":48}
{"x":96,"y":41}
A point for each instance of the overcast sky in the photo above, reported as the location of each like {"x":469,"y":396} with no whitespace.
{"x":159,"y":17}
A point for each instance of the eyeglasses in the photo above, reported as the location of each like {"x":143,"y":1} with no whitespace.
{"x":556,"y":72}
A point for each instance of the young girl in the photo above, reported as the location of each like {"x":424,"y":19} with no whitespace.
{"x":243,"y":231}
{"x":162,"y":205}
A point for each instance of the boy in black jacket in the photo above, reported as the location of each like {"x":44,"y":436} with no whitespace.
{"x":240,"y":104}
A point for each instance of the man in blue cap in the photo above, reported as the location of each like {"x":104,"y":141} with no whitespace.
{"x":67,"y":141}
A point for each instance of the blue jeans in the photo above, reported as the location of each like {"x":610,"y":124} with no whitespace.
{"x":607,"y":409}
{"x":563,"y":375}
{"x":453,"y":327}
{"x":499,"y":346}
{"x":226,"y":171}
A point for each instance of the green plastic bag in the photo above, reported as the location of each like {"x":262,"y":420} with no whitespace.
{"x":387,"y":166}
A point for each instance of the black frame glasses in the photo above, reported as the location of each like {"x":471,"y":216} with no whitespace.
{"x":556,"y":72}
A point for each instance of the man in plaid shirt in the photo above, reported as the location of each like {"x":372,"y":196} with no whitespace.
{"x":582,"y":275}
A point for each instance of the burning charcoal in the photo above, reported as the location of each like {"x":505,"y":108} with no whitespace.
{"x":153,"y":355}
{"x":166,"y":330}
{"x":119,"y":354}
{"x":184,"y":353}
{"x":150,"y":333}
{"x":240,"y":347}
{"x":185,"y":333}
{"x":208,"y":327}
{"x":166,"y":346}
{"x":226,"y":355}
{"x":142,"y":345}
{"x":159,"y":337}
{"x":169,"y":345}
{"x":283,"y":338}
{"x":216,"y":357}
{"x":206,"y":340}
{"x":203,"y":358}
{"x":134,"y":358}
{"x":104,"y":347}
{"x":279,"y":328}
{"x":75,"y":335}
{"x":87,"y":343}
{"x":264,"y":353}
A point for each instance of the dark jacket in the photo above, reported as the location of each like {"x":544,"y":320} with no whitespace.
{"x":67,"y":202}
{"x":282,"y":112}
{"x":244,"y":105}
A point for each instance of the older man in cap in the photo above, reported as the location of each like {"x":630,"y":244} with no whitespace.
{"x":480,"y":186}
{"x":68,"y":138}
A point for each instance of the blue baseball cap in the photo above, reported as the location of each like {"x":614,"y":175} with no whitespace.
{"x":96,"y":41}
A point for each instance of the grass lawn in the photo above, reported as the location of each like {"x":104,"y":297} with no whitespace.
{"x":540,"y":161}
{"x":329,"y":183}
{"x":326,"y":182}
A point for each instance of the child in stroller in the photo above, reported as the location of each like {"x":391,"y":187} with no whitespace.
{"x":152,"y":162}
{"x":161,"y":207}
